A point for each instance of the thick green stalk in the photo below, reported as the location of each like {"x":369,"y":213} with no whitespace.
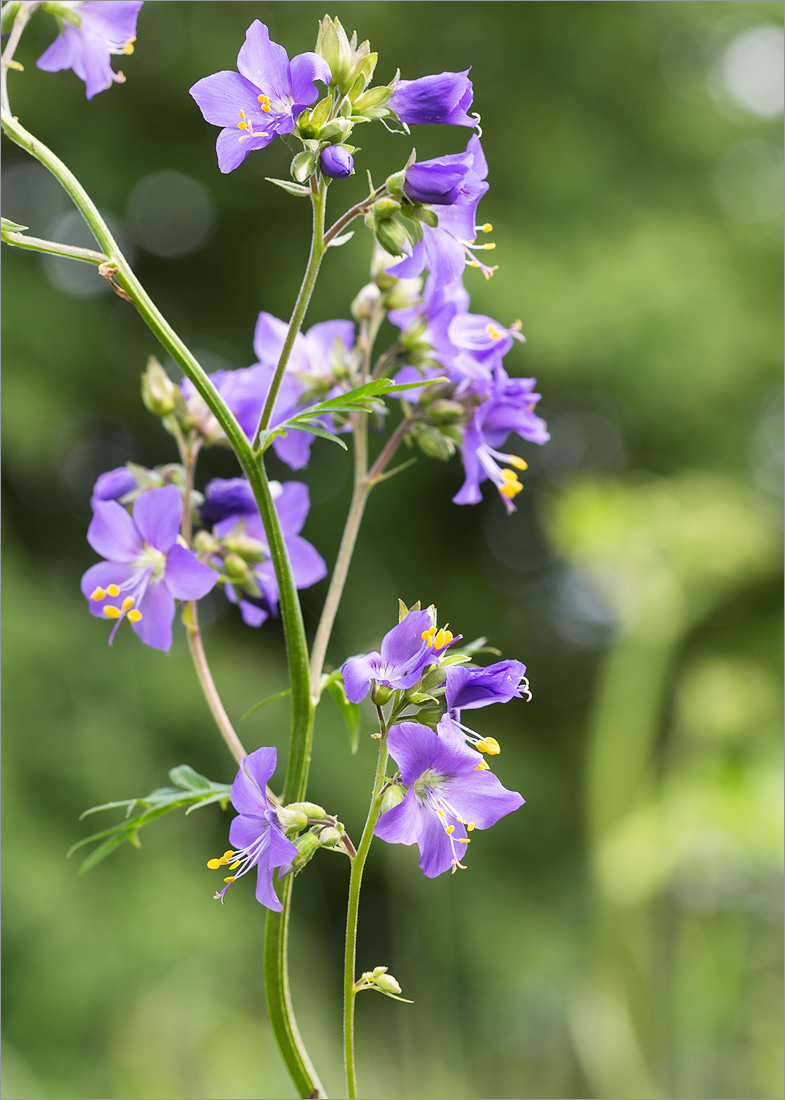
{"x":355,"y":882}
{"x":284,"y":1026}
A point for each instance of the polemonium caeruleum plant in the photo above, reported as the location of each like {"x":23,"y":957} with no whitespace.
{"x":165,"y":543}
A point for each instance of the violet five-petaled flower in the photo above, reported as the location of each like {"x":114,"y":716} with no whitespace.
{"x":260,"y":101}
{"x":105,"y":29}
{"x":256,"y":836}
{"x":146,"y":569}
{"x":405,"y":651}
{"x":233,"y":500}
{"x":443,"y":98}
{"x":450,"y":793}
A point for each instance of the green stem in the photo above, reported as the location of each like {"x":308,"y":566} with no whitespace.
{"x":53,"y":248}
{"x":284,"y":1026}
{"x":318,"y":249}
{"x":355,"y":882}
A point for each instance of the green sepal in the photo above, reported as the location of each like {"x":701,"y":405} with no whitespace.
{"x":9,"y":14}
{"x":12,"y":227}
{"x":61,"y":11}
{"x":292,"y":188}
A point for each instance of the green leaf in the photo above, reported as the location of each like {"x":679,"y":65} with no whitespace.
{"x":12,"y":227}
{"x":349,"y":710}
{"x":336,"y":242}
{"x":292,"y":188}
{"x":192,"y":791}
{"x":264,"y":702}
{"x":317,"y":429}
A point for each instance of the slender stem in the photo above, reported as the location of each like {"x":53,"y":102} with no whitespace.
{"x":19,"y":24}
{"x":54,"y":248}
{"x":389,"y":449}
{"x":350,"y":215}
{"x":284,"y":1026}
{"x":318,"y":248}
{"x":189,"y":451}
{"x":355,"y":882}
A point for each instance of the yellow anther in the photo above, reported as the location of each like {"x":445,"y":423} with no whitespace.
{"x":213,"y":864}
{"x":98,"y":593}
{"x":228,"y":854}
{"x":489,"y":745}
{"x":242,"y":113}
{"x":489,"y":247}
{"x":134,"y":616}
{"x":482,"y":767}
{"x":113,"y":590}
{"x":464,"y":840}
{"x":487,"y":228}
{"x":510,"y":488}
{"x":129,"y":46}
{"x":440,"y":813}
{"x":242,"y":125}
{"x":128,"y":603}
{"x":440,"y":640}
{"x":229,"y":879}
{"x":493,"y":332}
{"x":469,"y":825}
{"x":517,"y":462}
{"x":235,"y":865}
{"x":112,"y":612}
{"x":450,"y":830}
{"x":473,"y":263}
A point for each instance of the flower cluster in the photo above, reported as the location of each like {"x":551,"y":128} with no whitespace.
{"x":451,"y":790}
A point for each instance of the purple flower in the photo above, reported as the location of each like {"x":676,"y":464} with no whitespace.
{"x":451,"y":793}
{"x":114,"y":484}
{"x":256,"y":835}
{"x":337,"y":162}
{"x":447,"y":248}
{"x":291,"y":504}
{"x":260,"y":101}
{"x":508,"y":406}
{"x":105,"y":28}
{"x":469,"y":688}
{"x":443,"y":98}
{"x":315,"y":355}
{"x":226,"y":497}
{"x":406,"y":650}
{"x":438,"y":182}
{"x":146,"y":569}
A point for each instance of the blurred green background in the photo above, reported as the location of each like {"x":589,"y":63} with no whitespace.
{"x":621,"y":935}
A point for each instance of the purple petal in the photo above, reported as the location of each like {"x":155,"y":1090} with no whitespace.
{"x":404,"y":643}
{"x":246,"y":830}
{"x":436,"y":851}
{"x":268,"y":339}
{"x":305,"y":69}
{"x":266,"y":64}
{"x":157,"y":607}
{"x":252,"y":615}
{"x":223,"y":95}
{"x":294,"y":449}
{"x":308,"y":565}
{"x":115,"y":22}
{"x":478,"y":796}
{"x":232,"y":147}
{"x":113,"y":534}
{"x":469,"y":688}
{"x":157,"y":515}
{"x":58,"y":56}
{"x":186,"y":577}
{"x":442,"y":99}
{"x":292,"y":507}
{"x":445,"y":255}
{"x":282,"y":850}
{"x":410,"y":266}
{"x":250,"y":784}
{"x":357,"y":674}
{"x":226,"y":497}
{"x":259,"y":766}
{"x":413,"y":748}
{"x":321,"y":339}
{"x":403,"y":823}
{"x":113,"y":484}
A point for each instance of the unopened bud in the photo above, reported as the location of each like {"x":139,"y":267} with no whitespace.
{"x":291,"y":821}
{"x":392,"y":797}
{"x":381,"y":694}
{"x":159,"y":392}
{"x":303,"y":166}
{"x":310,"y":809}
{"x":446,"y":412}
{"x":329,"y":837}
{"x":366,"y":302}
{"x":248,"y":549}
{"x":236,"y":569}
{"x":374,"y":97}
{"x":383,"y":209}
{"x":332,"y":44}
{"x":394,"y":237}
{"x":433,"y":678}
{"x":388,"y":984}
{"x":205,"y":543}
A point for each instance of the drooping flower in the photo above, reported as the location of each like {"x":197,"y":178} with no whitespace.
{"x":507,"y":407}
{"x":450,"y":793}
{"x":438,"y":182}
{"x":256,"y":836}
{"x":105,"y":29}
{"x":336,"y":162}
{"x":469,"y":688}
{"x":260,"y":101}
{"x":443,"y":98}
{"x":405,"y":651}
{"x":447,"y":248}
{"x":146,"y":569}
{"x":258,"y":596}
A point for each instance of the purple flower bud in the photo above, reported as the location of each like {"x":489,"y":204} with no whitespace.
{"x":438,"y":182}
{"x":337,"y":162}
{"x":443,"y":98}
